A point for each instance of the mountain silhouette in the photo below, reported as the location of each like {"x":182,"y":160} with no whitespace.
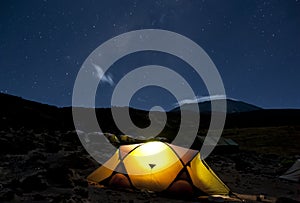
{"x":18,"y":112}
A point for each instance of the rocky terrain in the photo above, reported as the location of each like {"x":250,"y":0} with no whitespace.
{"x":45,"y":166}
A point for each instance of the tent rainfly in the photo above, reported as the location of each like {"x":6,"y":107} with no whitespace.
{"x":159,"y":167}
{"x":293,"y":173}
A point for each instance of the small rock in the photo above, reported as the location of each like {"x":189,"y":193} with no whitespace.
{"x":33,"y":182}
{"x":38,"y":197}
{"x":59,"y":175}
{"x":83,"y":192}
{"x":285,"y":200}
{"x":6,"y":194}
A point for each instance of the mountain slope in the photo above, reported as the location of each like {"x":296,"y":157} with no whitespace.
{"x":233,"y":106}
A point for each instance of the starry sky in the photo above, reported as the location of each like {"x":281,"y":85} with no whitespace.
{"x":254,"y":44}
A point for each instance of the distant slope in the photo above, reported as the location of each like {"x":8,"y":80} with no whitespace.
{"x":264,"y":118}
{"x":233,"y":106}
{"x":18,"y":112}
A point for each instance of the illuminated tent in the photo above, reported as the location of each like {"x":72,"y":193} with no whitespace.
{"x":157,"y":166}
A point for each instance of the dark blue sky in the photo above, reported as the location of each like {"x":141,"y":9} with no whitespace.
{"x":254,"y":44}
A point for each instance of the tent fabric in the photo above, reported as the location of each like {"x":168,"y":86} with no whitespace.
{"x":293,"y":173}
{"x":159,"y":167}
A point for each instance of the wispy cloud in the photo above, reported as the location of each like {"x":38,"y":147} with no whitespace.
{"x":104,"y":78}
{"x":200,"y":99}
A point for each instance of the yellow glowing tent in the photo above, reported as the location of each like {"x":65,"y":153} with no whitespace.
{"x":157,"y":166}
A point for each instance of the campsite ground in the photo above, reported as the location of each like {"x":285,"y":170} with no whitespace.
{"x":265,"y":154}
{"x":51,"y":166}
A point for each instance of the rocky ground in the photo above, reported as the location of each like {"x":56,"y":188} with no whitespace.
{"x":43,"y":167}
{"x":51,"y":166}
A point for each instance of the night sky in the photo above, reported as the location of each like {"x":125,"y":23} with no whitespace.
{"x":254,"y":44}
